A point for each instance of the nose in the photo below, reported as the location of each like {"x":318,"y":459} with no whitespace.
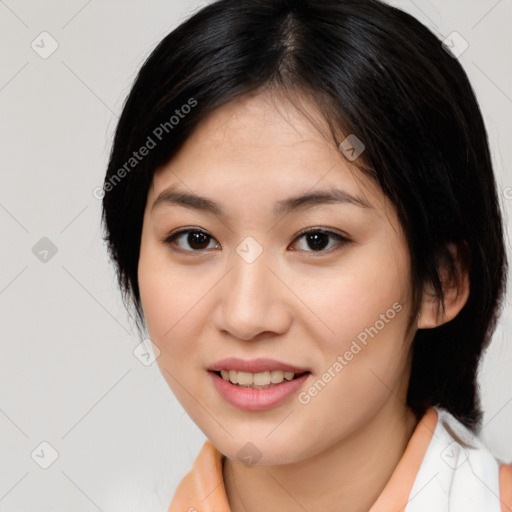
{"x":253,"y":299}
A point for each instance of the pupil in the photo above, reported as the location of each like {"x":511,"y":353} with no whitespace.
{"x":317,"y":242}
{"x":197,"y":240}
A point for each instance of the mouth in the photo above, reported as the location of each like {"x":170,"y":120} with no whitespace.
{"x":260,"y":373}
{"x":258,"y":391}
{"x":259,"y":380}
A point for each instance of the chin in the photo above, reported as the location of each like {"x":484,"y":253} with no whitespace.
{"x":258,"y":451}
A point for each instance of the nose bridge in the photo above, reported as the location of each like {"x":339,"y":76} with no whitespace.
{"x":250,"y":302}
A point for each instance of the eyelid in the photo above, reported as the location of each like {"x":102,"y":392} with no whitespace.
{"x":322,"y":229}
{"x":343,"y":239}
{"x":169,"y":238}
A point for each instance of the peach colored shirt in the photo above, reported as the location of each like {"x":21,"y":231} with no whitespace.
{"x":428,"y":477}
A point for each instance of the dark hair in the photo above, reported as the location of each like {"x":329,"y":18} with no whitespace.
{"x":375,"y":72}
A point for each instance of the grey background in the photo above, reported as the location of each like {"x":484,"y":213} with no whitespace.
{"x":68,"y":374}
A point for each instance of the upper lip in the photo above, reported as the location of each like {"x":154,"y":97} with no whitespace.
{"x":254,"y":365}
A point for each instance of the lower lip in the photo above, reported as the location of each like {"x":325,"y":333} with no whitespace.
{"x":257,"y":399}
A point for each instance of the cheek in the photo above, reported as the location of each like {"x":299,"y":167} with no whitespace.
{"x":171,"y":311}
{"x":367,"y":310}
{"x":168,"y":305}
{"x":174,"y":301}
{"x":365,"y":361}
{"x":360,"y":293}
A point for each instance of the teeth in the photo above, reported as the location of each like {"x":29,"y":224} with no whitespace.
{"x":261,"y":378}
{"x":264,"y":379}
{"x":244,"y":378}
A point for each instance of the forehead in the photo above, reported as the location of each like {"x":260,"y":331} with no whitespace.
{"x":263,"y":145}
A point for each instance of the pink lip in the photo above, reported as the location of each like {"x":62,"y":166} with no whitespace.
{"x":254,"y":365}
{"x":256,"y":399}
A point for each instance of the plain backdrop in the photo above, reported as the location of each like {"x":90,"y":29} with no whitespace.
{"x":73,"y":396}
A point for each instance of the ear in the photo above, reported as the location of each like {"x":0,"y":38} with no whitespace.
{"x":456,"y":293}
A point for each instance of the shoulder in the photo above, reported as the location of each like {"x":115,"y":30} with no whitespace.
{"x":459,"y":473}
{"x":506,"y":487}
{"x":477,"y":446}
{"x":202,"y":488}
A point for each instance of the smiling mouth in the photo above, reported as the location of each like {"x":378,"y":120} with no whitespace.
{"x":259,"y":380}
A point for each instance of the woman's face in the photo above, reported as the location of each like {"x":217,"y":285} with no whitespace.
{"x":244,"y":283}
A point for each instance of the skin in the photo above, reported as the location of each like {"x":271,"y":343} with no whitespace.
{"x":293,"y":304}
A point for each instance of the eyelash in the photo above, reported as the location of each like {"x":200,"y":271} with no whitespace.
{"x":342,"y":240}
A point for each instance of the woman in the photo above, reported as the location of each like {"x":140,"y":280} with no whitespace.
{"x":301,"y":206}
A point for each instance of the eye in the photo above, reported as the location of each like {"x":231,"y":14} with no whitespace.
{"x":318,"y":239}
{"x":197,"y":239}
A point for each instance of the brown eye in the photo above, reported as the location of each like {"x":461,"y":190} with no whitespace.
{"x":196,"y":239}
{"x":318,"y":239}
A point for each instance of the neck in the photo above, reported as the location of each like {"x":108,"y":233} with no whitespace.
{"x":348,"y":476}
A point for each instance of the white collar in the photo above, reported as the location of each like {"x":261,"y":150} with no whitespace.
{"x":457,"y":474}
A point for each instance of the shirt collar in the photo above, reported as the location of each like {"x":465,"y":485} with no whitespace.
{"x":202,"y":489}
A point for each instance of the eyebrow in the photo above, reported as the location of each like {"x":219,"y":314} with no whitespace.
{"x":301,"y":201}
